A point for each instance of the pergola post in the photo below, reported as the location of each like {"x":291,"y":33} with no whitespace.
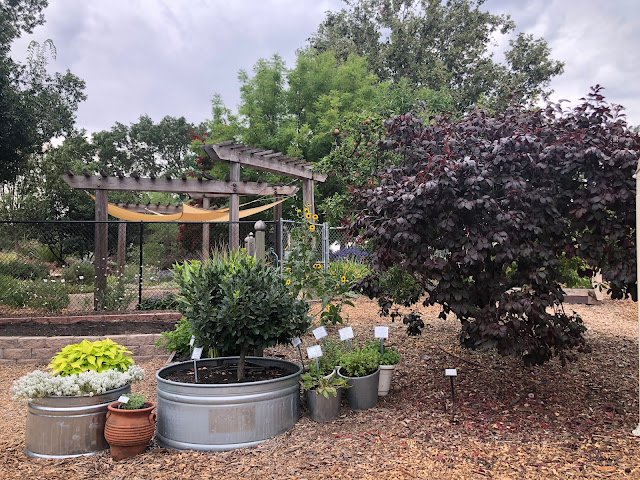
{"x":307,"y":195}
{"x":100,"y":249}
{"x":234,"y":207}
{"x":122,"y":249}
{"x":277,"y":221}
{"x":205,"y":231}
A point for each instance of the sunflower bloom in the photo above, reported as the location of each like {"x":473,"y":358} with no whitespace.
{"x":312,"y":227}
{"x":315,"y":217}
{"x":308,"y":215}
{"x":343,"y":279}
{"x":287,"y":282}
{"x":317,"y":265}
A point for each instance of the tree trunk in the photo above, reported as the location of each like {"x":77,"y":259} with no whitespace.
{"x":243,"y":354}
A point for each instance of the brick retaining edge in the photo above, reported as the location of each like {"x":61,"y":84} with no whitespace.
{"x":40,"y":350}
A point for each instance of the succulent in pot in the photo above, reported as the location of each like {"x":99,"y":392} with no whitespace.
{"x":130,"y":425}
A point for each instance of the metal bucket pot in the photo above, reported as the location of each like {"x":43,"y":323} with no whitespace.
{"x":62,"y":427}
{"x":322,"y":409}
{"x":363,"y":393}
{"x":223,"y":417}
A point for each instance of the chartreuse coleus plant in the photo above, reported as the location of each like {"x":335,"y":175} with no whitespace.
{"x":98,"y":356}
{"x":480,"y":210}
{"x":236,"y":304}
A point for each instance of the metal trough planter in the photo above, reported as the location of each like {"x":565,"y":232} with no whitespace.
{"x":223,"y":417}
{"x":62,"y":427}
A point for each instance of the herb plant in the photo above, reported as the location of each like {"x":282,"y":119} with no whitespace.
{"x":177,"y":339}
{"x":136,"y":401}
{"x":360,"y":362}
{"x":390,"y":357}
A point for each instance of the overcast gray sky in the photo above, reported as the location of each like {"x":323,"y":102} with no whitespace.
{"x":163,"y":57}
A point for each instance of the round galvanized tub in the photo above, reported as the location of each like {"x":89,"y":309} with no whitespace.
{"x":223,"y":417}
{"x":62,"y":427}
{"x":363,"y":393}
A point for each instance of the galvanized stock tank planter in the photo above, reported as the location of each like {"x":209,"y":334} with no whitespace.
{"x":216,"y":417}
{"x":62,"y":427}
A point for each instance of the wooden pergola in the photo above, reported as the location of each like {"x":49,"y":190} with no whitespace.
{"x":202,"y":187}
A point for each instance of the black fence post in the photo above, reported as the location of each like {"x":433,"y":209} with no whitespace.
{"x":140,"y":270}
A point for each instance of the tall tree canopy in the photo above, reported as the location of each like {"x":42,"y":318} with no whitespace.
{"x":34,"y":105}
{"x":481,"y":211}
{"x":440,"y":45}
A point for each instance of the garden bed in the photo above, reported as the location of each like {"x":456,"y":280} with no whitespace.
{"x":509,"y":422}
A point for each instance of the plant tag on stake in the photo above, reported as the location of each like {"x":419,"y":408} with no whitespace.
{"x":319,"y":333}
{"x":123,"y":399}
{"x":295,"y":341}
{"x":346,"y":333}
{"x":381,"y":333}
{"x":314,"y":352}
{"x":197,"y":353}
{"x":193,"y":339}
{"x":450,"y":372}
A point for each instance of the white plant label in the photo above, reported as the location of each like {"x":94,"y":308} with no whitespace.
{"x":450,"y":372}
{"x":196,"y":354}
{"x":295,"y":341}
{"x":319,"y":333}
{"x":123,"y":399}
{"x":381,"y":332}
{"x":346,"y":333}
{"x":314,"y":352}
{"x":191,"y":342}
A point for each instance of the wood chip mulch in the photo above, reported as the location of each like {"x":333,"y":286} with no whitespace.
{"x":509,"y":421}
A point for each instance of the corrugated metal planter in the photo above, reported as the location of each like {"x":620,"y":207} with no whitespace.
{"x":223,"y":417}
{"x":62,"y":427}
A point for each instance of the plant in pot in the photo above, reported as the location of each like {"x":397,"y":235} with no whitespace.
{"x":130,"y":425}
{"x":324,"y":395}
{"x":388,"y":363}
{"x":360,"y":367}
{"x":235,"y":304}
{"x":67,"y":406}
{"x":332,"y":351}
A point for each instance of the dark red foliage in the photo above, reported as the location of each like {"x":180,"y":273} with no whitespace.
{"x":479,"y":210}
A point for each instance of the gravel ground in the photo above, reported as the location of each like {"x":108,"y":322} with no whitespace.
{"x":510,"y":421}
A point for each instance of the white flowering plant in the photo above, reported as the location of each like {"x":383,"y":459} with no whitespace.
{"x":38,"y":384}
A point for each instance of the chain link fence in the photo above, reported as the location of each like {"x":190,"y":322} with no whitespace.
{"x":48,"y":267}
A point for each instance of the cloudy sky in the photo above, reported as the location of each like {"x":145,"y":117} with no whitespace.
{"x":163,"y":57}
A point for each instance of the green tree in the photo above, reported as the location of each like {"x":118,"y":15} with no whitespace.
{"x":440,"y":45}
{"x":34,"y":105}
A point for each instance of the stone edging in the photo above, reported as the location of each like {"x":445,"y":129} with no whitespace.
{"x":117,"y":317}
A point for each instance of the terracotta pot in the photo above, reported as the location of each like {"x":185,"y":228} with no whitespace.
{"x":129,"y":431}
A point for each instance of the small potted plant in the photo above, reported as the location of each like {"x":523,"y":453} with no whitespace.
{"x":324,"y":395}
{"x":130,"y":425}
{"x":388,"y":363}
{"x":360,"y":367}
{"x":332,"y":351}
{"x":69,"y":403}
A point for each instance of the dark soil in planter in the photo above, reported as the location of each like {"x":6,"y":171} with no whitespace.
{"x":84,"y":328}
{"x":226,"y":374}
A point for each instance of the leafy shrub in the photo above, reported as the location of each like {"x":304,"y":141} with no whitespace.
{"x":98,"y":356}
{"x":136,"y":401}
{"x":177,"y":339}
{"x":360,"y":362}
{"x":575,"y":272}
{"x":24,"y":271}
{"x":51,"y":296}
{"x":472,"y":196}
{"x":79,"y":273}
{"x":116,"y":297}
{"x":164,"y":301}
{"x":13,"y":293}
{"x":237,"y":303}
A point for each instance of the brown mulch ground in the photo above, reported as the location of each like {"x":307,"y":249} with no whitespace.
{"x":509,"y":421}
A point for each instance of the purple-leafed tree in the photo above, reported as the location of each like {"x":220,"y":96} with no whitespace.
{"x":480,"y":211}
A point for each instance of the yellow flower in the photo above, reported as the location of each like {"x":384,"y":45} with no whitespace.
{"x":288,"y":282}
{"x":312,"y":227}
{"x":343,"y":279}
{"x":299,"y":211}
{"x":315,"y":217}
{"x":306,"y":210}
{"x":308,"y":215}
{"x":317,"y":265}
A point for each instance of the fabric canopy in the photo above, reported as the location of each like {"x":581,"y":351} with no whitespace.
{"x":189,"y":214}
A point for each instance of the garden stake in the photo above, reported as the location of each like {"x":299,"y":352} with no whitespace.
{"x":301,"y":359}
{"x":349,"y":344}
{"x":195,"y":369}
{"x":381,"y":346}
{"x":317,"y":365}
{"x":453,"y":393}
